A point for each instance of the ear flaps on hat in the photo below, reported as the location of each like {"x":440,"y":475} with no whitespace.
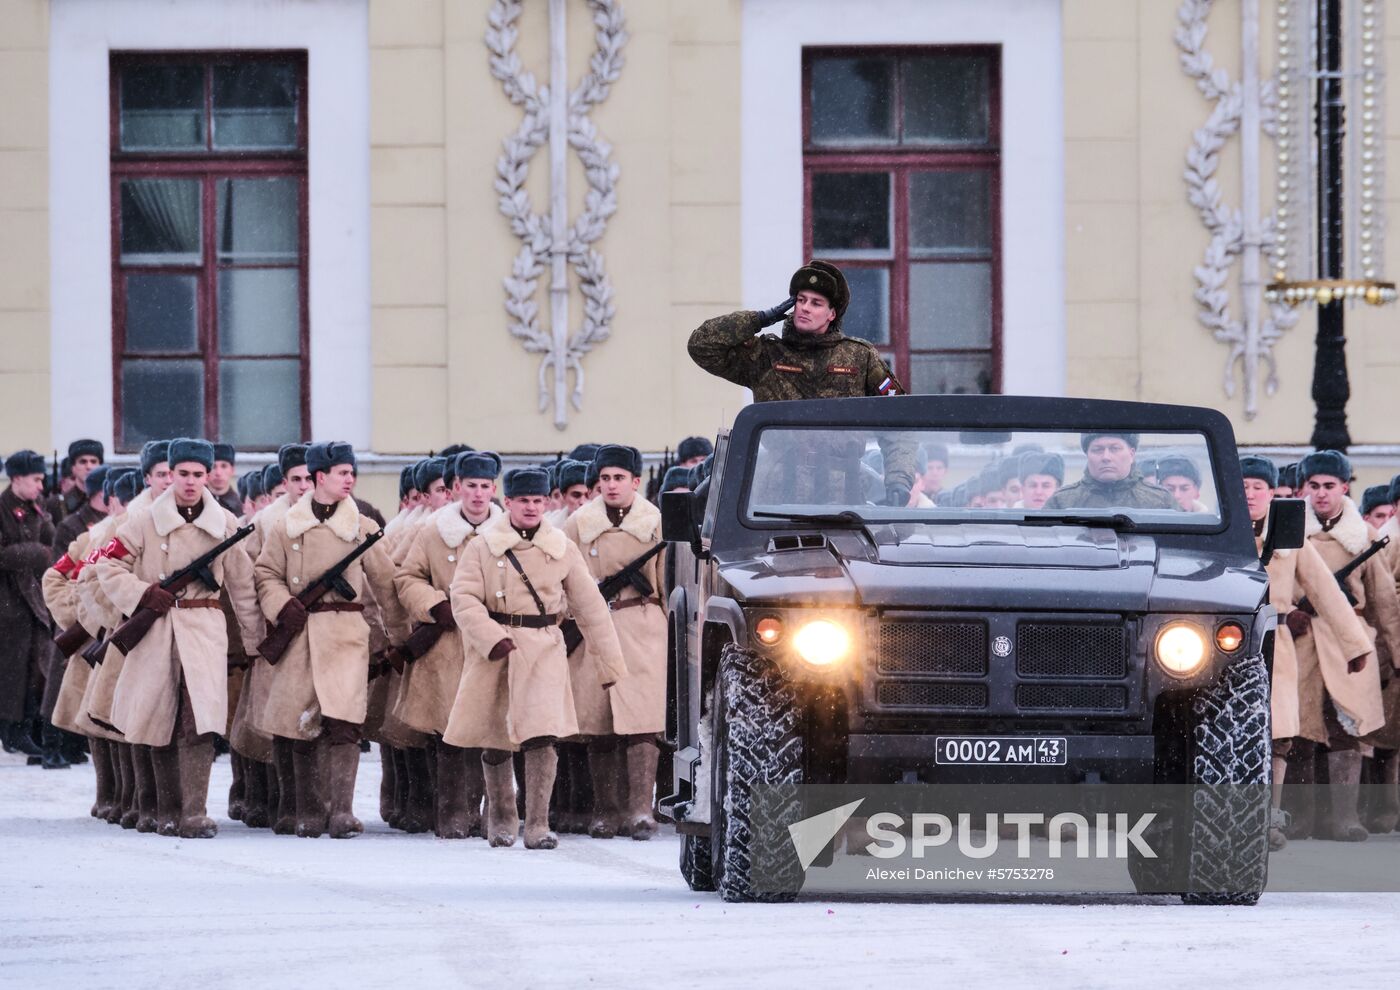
{"x":526,"y":481}
{"x":616,"y":455}
{"x":1374,"y":497}
{"x":225,"y":452}
{"x":1036,"y":463}
{"x":571,"y":473}
{"x":1131,"y":439}
{"x":1178,"y":467}
{"x":824,"y":278}
{"x":1259,"y":468}
{"x":693,"y":447}
{"x":154,"y":452}
{"x":25,"y":462}
{"x":186,"y":450}
{"x":85,"y":448}
{"x":271,"y":478}
{"x":96,"y":480}
{"x":291,"y":455}
{"x":127,"y":487}
{"x":676,"y":477}
{"x":1333,"y":463}
{"x":429,"y":469}
{"x":324,"y":456}
{"x":253,"y":482}
{"x":479,"y":464}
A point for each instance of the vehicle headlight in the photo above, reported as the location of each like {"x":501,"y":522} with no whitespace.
{"x":1181,"y":649}
{"x":822,"y":642}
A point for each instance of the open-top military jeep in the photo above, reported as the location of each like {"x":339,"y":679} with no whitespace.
{"x":819,"y":635}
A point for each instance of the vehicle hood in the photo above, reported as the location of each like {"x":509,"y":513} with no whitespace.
{"x":1059,"y":568}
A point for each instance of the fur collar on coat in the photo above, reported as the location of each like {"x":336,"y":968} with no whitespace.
{"x":344,"y":522}
{"x":453,"y":527}
{"x":165,"y":514}
{"x":500,"y":536}
{"x":643,"y":520}
{"x":1351,"y":531}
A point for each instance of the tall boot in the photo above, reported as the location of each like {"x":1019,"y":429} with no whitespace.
{"x":400,"y":788}
{"x":127,"y":812}
{"x":541,"y":764}
{"x":196,"y":760}
{"x":165,"y":763}
{"x":642,"y":756}
{"x":387,"y":808}
{"x":238,"y":789}
{"x":74,"y":747}
{"x":1385,"y":793}
{"x":453,"y":810}
{"x":518,"y":760}
{"x":1278,"y":820}
{"x":1344,"y":774}
{"x":605,"y":767}
{"x":343,"y":763}
{"x":503,"y":823}
{"x":51,"y":742}
{"x":256,"y":813}
{"x":1300,"y":792}
{"x":284,"y":766}
{"x":106,"y":782}
{"x":274,"y":792}
{"x":311,"y":810}
{"x":147,"y":813}
{"x":19,"y":739}
{"x":580,"y":796}
{"x":418,"y":814}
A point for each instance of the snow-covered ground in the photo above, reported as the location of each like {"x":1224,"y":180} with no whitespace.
{"x":85,"y":904}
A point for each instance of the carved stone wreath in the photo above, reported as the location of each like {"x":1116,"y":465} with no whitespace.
{"x":533,"y":229}
{"x":1248,"y":348}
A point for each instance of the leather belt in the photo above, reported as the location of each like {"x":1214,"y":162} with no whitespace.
{"x":197,"y":603}
{"x":524,"y":621}
{"x":336,"y":607}
{"x":618,"y":606}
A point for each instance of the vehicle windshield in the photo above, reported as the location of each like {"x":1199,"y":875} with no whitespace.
{"x":1125,"y":480}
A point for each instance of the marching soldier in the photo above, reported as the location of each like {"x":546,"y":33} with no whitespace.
{"x":571,"y":478}
{"x":614,"y":534}
{"x":511,"y":591}
{"x":692,"y":450}
{"x":318,"y":687}
{"x":221,"y":478}
{"x":92,"y":511}
{"x":83,"y":456}
{"x":1376,"y":507}
{"x":429,"y":686}
{"x":172,"y":694}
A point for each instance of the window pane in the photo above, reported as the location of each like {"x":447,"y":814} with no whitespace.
{"x":853,"y":100}
{"x":255,"y":106}
{"x":950,"y":305}
{"x":851,"y":213}
{"x":259,"y":222}
{"x":259,"y":311}
{"x":160,"y":222}
{"x":947,"y":99}
{"x":260,"y":403}
{"x":162,"y":108}
{"x":868,"y":315}
{"x":962,"y":374}
{"x":161,"y":314}
{"x":950,"y":212}
{"x":161,"y":399}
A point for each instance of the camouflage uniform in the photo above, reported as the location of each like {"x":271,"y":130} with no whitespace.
{"x":803,"y":366}
{"x":1128,"y":493}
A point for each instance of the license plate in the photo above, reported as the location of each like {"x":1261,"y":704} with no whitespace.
{"x":1000,"y":751}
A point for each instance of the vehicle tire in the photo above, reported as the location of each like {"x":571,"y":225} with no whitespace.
{"x":758,"y":772}
{"x":696,"y":865}
{"x":1226,"y":858}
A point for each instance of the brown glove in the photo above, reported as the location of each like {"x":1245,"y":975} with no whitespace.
{"x":395,"y":659}
{"x":157,"y":599}
{"x":501,"y":650}
{"x":292,"y":617}
{"x":1299,"y":623}
{"x":442,"y":615}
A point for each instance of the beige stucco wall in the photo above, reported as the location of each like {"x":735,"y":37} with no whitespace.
{"x":1132,"y":239}
{"x":445,"y":366}
{"x":24,"y":224}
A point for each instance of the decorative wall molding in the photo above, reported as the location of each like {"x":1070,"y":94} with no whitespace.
{"x":557,"y":116}
{"x":1244,"y":107}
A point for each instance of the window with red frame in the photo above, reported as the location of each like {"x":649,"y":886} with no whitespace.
{"x":901,"y":175}
{"x":209,"y":242}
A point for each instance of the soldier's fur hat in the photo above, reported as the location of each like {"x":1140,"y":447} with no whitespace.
{"x":483,"y":464}
{"x":188,"y":450}
{"x":291,"y":455}
{"x":1329,"y":462}
{"x":1260,"y":468}
{"x":693,"y":447}
{"x":154,"y":452}
{"x":526,"y":481}
{"x":1393,"y":489}
{"x":1288,"y":477}
{"x":24,"y":462}
{"x":127,"y":487}
{"x":254,"y":484}
{"x":405,"y":481}
{"x":96,"y":480}
{"x":931,"y":452}
{"x":676,"y":477}
{"x":1374,"y":497}
{"x":584,"y":452}
{"x":824,"y":278}
{"x":1178,"y":467}
{"x":428,"y":470}
{"x":85,"y":448}
{"x":570,"y":473}
{"x":453,"y":449}
{"x":225,"y":452}
{"x":616,"y":455}
{"x":324,"y":456}
{"x":1032,"y":462}
{"x":1131,"y":439}
{"x":271,"y":478}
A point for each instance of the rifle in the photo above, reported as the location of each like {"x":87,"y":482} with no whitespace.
{"x":131,"y":632}
{"x":1345,"y":572}
{"x":280,"y":637}
{"x":612,"y":586}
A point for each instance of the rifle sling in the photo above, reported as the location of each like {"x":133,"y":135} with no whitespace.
{"x":529,"y":585}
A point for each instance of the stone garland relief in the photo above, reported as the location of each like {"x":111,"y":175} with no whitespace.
{"x":557,"y":116}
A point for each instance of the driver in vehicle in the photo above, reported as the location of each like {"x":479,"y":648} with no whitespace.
{"x":1111,"y":478}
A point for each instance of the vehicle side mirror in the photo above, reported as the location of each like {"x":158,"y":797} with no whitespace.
{"x":1287,"y":526}
{"x":678,"y":518}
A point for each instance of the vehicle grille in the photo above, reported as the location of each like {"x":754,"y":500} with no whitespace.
{"x":932,"y":694}
{"x":1065,"y":649}
{"x":933,"y":648}
{"x":1083,"y":697}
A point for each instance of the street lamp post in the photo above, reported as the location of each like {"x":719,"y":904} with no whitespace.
{"x":1330,"y":387}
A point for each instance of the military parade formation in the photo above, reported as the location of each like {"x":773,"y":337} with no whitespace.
{"x":503,"y":637}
